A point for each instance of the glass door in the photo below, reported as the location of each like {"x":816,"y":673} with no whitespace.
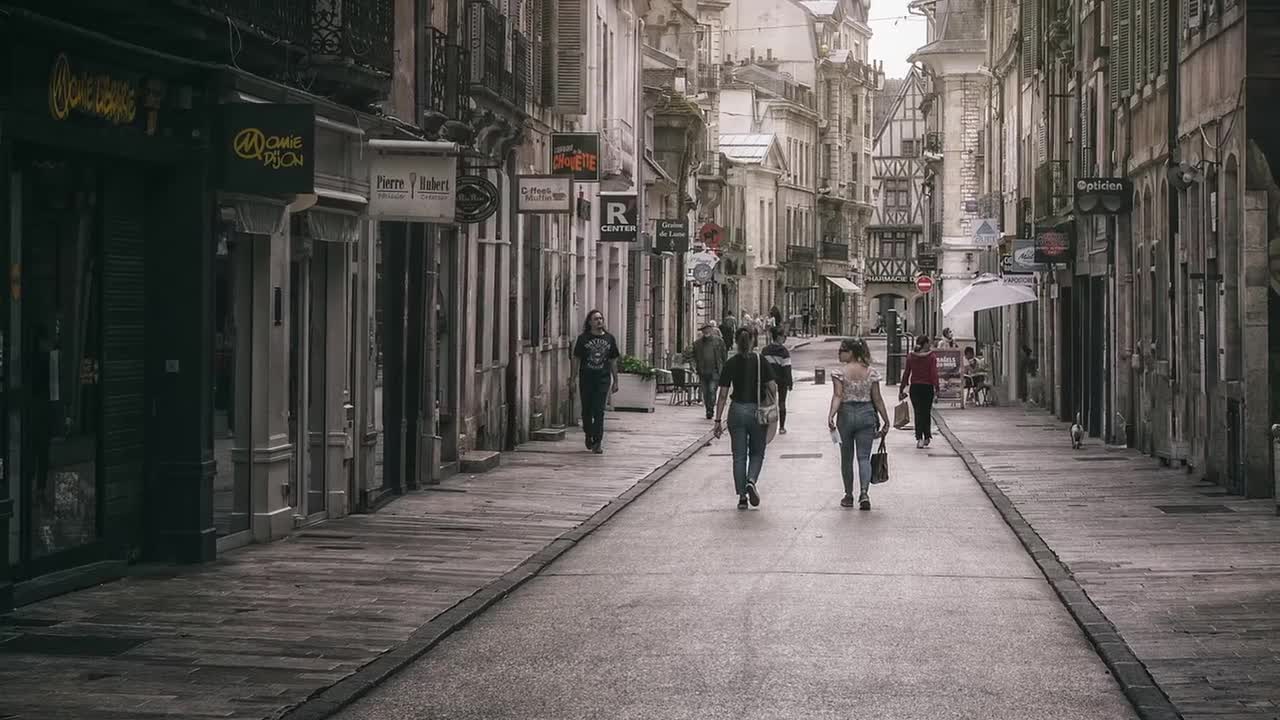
{"x":59,"y":339}
{"x":232,"y":383}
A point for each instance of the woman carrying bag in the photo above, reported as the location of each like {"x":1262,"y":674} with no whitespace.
{"x":859,"y":415}
{"x":750,"y":382}
{"x":920,"y":381}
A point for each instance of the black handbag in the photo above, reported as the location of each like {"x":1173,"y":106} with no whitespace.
{"x":880,"y":465}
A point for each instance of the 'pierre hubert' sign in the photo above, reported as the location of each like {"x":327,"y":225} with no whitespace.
{"x":619,"y":217}
{"x":413,"y":187}
{"x":268,"y":148}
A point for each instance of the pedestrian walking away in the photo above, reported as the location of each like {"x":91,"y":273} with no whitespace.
{"x":920,"y":381}
{"x":709,"y":355}
{"x":748,"y":380}
{"x":779,"y":357}
{"x":858,"y":414}
{"x":596,"y":376}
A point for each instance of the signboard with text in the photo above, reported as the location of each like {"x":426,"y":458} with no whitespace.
{"x":1052,"y":246}
{"x":1103,"y":196}
{"x":619,"y":217}
{"x":545,"y":194}
{"x":671,"y":236}
{"x":576,"y":155}
{"x":950,"y":373}
{"x":413,"y":187}
{"x":267,"y":148}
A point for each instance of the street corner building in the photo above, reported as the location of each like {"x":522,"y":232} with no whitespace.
{"x":260,"y":282}
{"x":1123,"y":157}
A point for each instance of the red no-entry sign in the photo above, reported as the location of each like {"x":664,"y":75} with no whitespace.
{"x":924,"y":283}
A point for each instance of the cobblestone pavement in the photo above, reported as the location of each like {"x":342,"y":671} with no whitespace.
{"x":1189,"y":575}
{"x":267,"y":626}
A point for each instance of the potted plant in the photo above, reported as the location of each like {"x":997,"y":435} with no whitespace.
{"x":637,"y":385}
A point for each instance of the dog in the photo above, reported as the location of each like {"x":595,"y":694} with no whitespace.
{"x":1077,"y":434}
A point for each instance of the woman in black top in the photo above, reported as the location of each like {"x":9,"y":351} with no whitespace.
{"x":744,"y":377}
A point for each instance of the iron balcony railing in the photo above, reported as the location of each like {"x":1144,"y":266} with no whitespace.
{"x":933,"y":143}
{"x":286,"y":20}
{"x":834,"y":250}
{"x":356,"y":30}
{"x":487,"y":29}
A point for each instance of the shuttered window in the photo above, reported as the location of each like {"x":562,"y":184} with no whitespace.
{"x":1124,"y":46}
{"x":1190,"y":15}
{"x":569,"y":87}
{"x":1164,"y":33}
{"x":1138,"y":59}
{"x":1031,"y":39}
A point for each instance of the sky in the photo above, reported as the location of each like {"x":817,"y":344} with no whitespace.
{"x":894,"y":37}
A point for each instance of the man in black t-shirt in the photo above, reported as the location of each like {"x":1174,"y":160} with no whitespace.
{"x":595,"y":372}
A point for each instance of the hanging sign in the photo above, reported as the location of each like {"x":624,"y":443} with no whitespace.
{"x":268,"y":148}
{"x":546,"y":194}
{"x":986,"y":232}
{"x":576,"y":155}
{"x":1023,"y":258}
{"x":671,"y":236}
{"x":1103,"y":196}
{"x":477,"y":200}
{"x":413,"y":187}
{"x":1052,"y":246}
{"x":619,"y":217}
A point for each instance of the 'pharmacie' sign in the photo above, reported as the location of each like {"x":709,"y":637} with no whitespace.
{"x":619,"y":217}
{"x":413,"y":186}
{"x":576,"y":155}
{"x":1103,"y":196}
{"x":545,"y":194}
{"x":268,"y":148}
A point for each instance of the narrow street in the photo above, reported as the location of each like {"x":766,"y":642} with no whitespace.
{"x":683,"y":606}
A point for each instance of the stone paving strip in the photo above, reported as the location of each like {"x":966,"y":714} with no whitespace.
{"x":1188,"y":575}
{"x":343,"y":603}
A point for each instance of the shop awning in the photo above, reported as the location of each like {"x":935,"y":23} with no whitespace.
{"x":843,"y":283}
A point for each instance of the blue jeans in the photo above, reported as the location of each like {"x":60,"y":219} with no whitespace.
{"x":747,"y":438}
{"x":857,"y":423}
{"x":710,"y":386}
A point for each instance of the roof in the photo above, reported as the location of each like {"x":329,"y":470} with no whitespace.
{"x":746,"y":148}
{"x":820,"y":7}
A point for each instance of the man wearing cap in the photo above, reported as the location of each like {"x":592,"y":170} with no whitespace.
{"x":709,"y":354}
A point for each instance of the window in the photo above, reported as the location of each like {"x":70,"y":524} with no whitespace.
{"x":897,"y":193}
{"x":532,"y":260}
{"x":909,"y":148}
{"x":894,"y":245}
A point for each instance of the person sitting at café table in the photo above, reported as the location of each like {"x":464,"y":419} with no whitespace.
{"x":974,"y":372}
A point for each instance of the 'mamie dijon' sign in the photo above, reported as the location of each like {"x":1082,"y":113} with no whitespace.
{"x":95,"y":94}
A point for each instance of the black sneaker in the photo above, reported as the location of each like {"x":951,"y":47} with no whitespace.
{"x":742,"y":502}
{"x":597,"y":449}
{"x":846,"y":501}
{"x":864,"y":502}
{"x":752,"y":495}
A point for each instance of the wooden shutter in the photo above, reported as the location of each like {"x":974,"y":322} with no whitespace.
{"x":1030,"y":36}
{"x":1138,"y":61}
{"x":1124,"y":57}
{"x":1113,"y":63}
{"x":569,"y":87}
{"x":1164,"y":34}
{"x":1192,"y":16}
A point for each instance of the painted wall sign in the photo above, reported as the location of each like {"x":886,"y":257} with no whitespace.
{"x":91,"y":92}
{"x":545,"y":194}
{"x":268,"y":148}
{"x":1103,"y":196}
{"x":413,"y":187}
{"x":619,"y":217}
{"x":477,"y":200}
{"x":671,"y":236}
{"x":576,"y":155}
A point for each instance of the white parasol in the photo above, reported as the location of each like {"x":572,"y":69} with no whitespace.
{"x":987,"y":292}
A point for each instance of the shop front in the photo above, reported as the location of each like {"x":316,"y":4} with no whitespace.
{"x":103,"y":200}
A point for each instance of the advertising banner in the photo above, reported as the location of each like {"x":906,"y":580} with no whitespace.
{"x":619,"y":217}
{"x":545,"y":194}
{"x":950,"y":373}
{"x":576,"y":155}
{"x":413,"y":187}
{"x":267,"y":148}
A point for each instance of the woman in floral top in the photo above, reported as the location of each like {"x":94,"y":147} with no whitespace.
{"x":858,"y":412}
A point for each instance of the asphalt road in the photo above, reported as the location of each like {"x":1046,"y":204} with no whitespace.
{"x":683,"y":606}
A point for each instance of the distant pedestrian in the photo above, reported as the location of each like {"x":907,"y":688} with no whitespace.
{"x":804,"y":319}
{"x":728,"y":328}
{"x":709,"y":355}
{"x":596,"y":376}
{"x":777,"y":355}
{"x":776,"y":314}
{"x":920,"y":381}
{"x":747,"y":379}
{"x":858,"y":413}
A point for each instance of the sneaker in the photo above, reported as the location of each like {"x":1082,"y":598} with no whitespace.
{"x":752,"y":495}
{"x":926,"y":441}
{"x":782,"y":431}
{"x":742,"y":502}
{"x":864,"y":502}
{"x":920,"y":444}
{"x":846,"y":501}
{"x":708,"y":416}
{"x":597,"y":449}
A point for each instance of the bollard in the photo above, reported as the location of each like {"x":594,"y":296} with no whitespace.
{"x":819,"y":376}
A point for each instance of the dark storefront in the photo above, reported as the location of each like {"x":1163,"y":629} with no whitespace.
{"x":104,"y":213}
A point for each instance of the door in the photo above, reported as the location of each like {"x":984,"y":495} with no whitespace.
{"x":307,"y":379}
{"x":56,"y":318}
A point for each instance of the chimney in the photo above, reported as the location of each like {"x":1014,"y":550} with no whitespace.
{"x":769,"y":54}
{"x":753,"y":54}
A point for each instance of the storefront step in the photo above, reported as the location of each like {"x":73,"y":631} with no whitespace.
{"x":66,"y":581}
{"x":551,"y":434}
{"x":478,"y":461}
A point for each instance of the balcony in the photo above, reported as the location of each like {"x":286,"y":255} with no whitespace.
{"x":487,"y":29}
{"x":834,"y":250}
{"x":286,"y":20}
{"x":933,"y":145}
{"x":617,"y":152}
{"x":800,"y":254}
{"x":891,"y":270}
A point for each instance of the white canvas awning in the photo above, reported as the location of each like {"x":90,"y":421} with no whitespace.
{"x":843,"y":283}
